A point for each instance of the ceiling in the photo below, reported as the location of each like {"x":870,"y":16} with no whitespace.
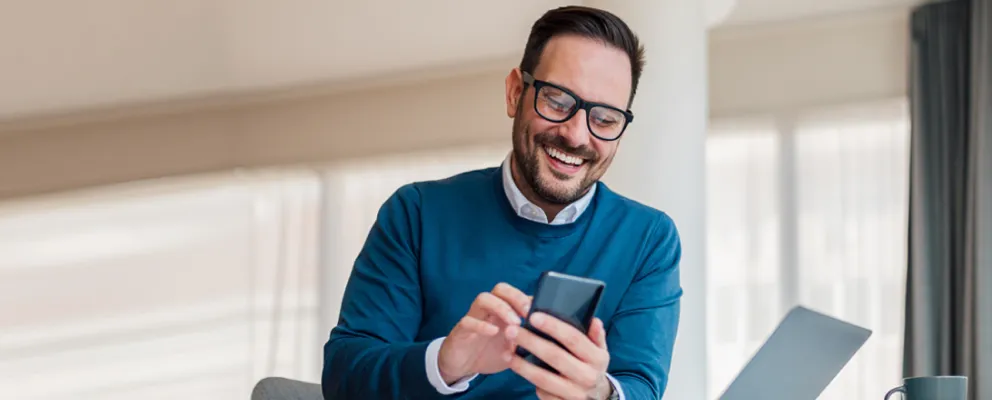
{"x":59,"y":56}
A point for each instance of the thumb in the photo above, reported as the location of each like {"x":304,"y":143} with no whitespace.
{"x":597,"y":333}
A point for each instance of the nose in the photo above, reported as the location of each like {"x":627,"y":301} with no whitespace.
{"x":576,"y":130}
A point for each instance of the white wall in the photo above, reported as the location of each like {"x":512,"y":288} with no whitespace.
{"x":793,"y":65}
{"x":461,"y":110}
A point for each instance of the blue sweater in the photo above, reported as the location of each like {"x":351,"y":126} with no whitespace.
{"x":436,"y":245}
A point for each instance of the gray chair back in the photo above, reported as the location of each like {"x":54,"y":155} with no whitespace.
{"x":286,"y":389}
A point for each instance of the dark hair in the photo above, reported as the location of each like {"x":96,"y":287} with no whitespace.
{"x":587,"y":22}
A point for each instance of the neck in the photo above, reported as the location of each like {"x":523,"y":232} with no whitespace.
{"x":550,"y":209}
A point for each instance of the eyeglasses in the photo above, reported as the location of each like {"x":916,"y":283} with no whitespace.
{"x":557,"y":104}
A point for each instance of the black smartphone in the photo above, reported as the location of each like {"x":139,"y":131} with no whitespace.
{"x":572,"y":299}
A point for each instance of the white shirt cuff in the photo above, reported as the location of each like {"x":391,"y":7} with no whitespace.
{"x":616,"y":386}
{"x":434,"y":373}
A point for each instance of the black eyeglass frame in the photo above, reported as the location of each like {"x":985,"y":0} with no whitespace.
{"x":580,"y":104}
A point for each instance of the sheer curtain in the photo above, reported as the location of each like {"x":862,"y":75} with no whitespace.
{"x":743,"y":241}
{"x":191,"y":287}
{"x":852,"y":203}
{"x":809,"y":209}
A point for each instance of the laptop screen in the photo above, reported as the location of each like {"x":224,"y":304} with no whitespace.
{"x":801,"y":357}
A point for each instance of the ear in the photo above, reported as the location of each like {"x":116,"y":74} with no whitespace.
{"x":514,"y":87}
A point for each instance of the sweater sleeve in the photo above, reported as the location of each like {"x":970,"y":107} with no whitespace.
{"x":371,"y":353}
{"x":642,"y":332}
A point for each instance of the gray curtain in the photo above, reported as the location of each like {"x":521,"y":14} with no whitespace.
{"x":979,"y":248}
{"x":949,"y":280}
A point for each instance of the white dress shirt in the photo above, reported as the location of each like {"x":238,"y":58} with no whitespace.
{"x":527,"y":210}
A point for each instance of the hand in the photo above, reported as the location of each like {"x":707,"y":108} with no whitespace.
{"x":474,"y":345}
{"x":582,"y":375}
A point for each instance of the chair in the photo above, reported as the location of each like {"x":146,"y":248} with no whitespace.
{"x":286,"y":389}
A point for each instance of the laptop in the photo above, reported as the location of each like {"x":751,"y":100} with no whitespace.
{"x":801,"y":357}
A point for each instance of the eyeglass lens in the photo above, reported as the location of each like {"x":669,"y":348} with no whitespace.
{"x":557,"y":106}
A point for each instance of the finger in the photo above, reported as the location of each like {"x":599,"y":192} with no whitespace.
{"x":598,"y":333}
{"x":576,"y":342}
{"x":517,"y":299}
{"x":488,"y":304}
{"x":478,"y":326}
{"x":541,"y":394}
{"x":582,"y":374}
{"x":543,"y":379}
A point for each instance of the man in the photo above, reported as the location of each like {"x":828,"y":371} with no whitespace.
{"x":434,"y":304}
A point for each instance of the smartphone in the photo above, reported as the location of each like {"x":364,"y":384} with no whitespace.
{"x":571,"y":299}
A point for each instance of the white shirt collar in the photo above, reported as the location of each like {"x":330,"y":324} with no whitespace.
{"x":527,"y":210}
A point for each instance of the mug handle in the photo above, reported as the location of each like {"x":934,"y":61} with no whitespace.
{"x":900,"y":389}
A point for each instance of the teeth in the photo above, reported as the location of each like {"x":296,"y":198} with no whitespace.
{"x":565,"y":158}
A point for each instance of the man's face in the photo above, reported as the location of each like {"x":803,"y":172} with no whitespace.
{"x":561,"y":161}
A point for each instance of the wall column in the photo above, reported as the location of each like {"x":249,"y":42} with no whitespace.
{"x":661,"y":159}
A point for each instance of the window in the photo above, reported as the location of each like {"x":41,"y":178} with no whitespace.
{"x":809,"y":209}
{"x":181,"y":288}
{"x":189,"y":287}
{"x":743,"y":241}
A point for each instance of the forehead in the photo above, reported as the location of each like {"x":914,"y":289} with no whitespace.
{"x":593,"y":70}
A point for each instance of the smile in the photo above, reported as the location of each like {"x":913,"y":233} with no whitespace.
{"x":563,"y":157}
